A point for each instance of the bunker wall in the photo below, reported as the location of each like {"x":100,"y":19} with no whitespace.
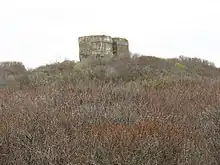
{"x":95,"y":46}
{"x":120,"y":46}
{"x":101,"y":45}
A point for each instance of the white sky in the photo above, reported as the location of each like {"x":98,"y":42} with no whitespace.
{"x":37,"y":32}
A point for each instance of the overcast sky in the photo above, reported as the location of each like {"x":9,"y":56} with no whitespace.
{"x":37,"y":32}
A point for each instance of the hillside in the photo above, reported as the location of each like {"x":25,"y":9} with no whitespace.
{"x":130,"y":111}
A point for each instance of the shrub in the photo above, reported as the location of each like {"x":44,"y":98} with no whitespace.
{"x":118,"y":112}
{"x":180,"y":66}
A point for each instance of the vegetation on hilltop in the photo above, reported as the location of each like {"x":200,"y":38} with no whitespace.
{"x":138,"y":110}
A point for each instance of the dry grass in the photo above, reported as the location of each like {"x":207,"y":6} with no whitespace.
{"x":131,"y":115}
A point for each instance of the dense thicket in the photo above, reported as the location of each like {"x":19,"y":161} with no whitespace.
{"x":139,"y":110}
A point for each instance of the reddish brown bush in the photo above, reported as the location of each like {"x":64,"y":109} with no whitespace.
{"x":153,"y":120}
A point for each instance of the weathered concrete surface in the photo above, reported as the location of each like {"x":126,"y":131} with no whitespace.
{"x":120,"y":46}
{"x":97,"y":46}
{"x":101,"y":45}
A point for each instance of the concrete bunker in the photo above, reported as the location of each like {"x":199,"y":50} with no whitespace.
{"x":101,"y":45}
